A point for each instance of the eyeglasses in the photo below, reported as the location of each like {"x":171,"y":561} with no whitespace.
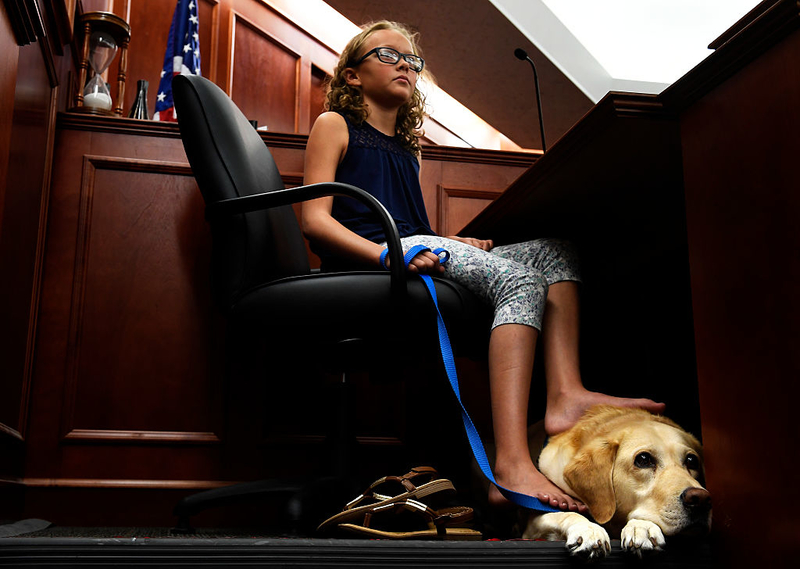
{"x":392,"y":56}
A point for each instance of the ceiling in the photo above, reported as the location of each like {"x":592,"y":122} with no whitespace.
{"x":469,"y":47}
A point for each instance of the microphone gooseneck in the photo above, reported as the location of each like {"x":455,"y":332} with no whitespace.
{"x":522,"y":55}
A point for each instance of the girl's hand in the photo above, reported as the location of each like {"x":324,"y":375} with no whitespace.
{"x":425,"y":263}
{"x":485,"y":244}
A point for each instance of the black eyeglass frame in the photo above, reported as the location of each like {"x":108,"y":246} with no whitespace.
{"x":409,"y":58}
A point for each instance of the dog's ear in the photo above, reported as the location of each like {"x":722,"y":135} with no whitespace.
{"x":589,"y":474}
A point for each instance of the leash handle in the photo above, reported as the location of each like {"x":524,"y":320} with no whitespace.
{"x":478,"y":450}
{"x":413,"y":252}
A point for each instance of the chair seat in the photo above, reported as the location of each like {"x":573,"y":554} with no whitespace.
{"x":359,"y":305}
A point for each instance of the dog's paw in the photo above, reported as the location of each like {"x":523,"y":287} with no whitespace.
{"x":641,"y":537}
{"x":588,"y":541}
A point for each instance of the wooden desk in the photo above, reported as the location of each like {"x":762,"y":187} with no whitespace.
{"x":613,"y":185}
{"x":725,"y":140}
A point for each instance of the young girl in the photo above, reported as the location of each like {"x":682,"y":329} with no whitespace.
{"x":369,"y":138}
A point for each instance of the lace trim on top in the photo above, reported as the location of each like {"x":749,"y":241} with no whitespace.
{"x":367,"y":136}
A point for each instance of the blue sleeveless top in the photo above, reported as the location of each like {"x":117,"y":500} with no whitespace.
{"x":380,"y":165}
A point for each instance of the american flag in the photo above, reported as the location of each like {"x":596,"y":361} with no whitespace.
{"x":181,"y":58}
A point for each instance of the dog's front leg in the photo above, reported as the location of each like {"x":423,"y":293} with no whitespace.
{"x":584,"y":538}
{"x":641,"y":537}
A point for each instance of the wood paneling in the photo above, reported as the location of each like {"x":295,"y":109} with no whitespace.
{"x":9,"y":58}
{"x":735,"y":117}
{"x":27,"y":82}
{"x":128,"y":392}
{"x":740,"y":165}
{"x":130,"y":389}
{"x":22,"y":229}
{"x":458,"y":206}
{"x":266,"y":78}
{"x":141,"y":234}
{"x":317,"y":99}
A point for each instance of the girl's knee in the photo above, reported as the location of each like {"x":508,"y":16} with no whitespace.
{"x":525,"y":284}
{"x":523,"y":300}
{"x":562,"y":248}
{"x":536,"y":280}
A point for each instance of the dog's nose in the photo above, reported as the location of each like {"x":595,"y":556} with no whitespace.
{"x":696,"y":499}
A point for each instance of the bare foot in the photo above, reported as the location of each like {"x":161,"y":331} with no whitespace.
{"x":534,"y":483}
{"x":564,"y":409}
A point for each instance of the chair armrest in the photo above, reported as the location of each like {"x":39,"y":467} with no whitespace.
{"x":276,"y":198}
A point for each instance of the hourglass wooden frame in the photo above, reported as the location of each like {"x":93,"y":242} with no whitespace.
{"x":120,"y":30}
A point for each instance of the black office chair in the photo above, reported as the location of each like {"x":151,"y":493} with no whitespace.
{"x":260,"y":272}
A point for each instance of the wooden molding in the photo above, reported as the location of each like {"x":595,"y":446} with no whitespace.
{"x":139,"y":437}
{"x":26,"y":20}
{"x":479,"y":155}
{"x":759,"y":30}
{"x":6,"y":431}
{"x":317,"y":440}
{"x":122,"y":125}
{"x":125,"y":484}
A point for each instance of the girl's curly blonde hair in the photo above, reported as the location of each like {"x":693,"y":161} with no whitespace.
{"x":349,"y":99}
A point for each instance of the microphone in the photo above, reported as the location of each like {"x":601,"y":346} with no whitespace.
{"x":522,"y":55}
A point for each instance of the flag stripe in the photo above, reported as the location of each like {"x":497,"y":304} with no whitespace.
{"x":182,"y":55}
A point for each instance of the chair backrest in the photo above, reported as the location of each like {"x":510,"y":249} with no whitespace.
{"x":229,"y":159}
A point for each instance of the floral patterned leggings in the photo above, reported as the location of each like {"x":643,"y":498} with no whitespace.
{"x":511,"y":278}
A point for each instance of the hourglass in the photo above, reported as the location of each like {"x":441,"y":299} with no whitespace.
{"x":102,"y":49}
{"x":104,"y":34}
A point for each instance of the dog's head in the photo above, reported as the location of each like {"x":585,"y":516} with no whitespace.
{"x":638,"y":465}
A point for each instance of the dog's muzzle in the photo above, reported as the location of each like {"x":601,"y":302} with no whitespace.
{"x":697,"y":504}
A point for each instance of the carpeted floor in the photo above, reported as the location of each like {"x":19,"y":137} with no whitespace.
{"x":57,"y":532}
{"x":50,"y":547}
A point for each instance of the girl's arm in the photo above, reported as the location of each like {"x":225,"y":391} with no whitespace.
{"x":326,"y":147}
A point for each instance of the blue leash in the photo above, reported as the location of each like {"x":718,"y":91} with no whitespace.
{"x":474,"y":438}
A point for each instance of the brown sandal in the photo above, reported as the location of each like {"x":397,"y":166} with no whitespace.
{"x":393,"y":516}
{"x":371,"y":498}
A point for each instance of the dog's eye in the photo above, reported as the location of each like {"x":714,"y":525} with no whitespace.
{"x":692,"y":462}
{"x":644,"y":460}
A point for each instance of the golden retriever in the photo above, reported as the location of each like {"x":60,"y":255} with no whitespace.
{"x":639,"y":474}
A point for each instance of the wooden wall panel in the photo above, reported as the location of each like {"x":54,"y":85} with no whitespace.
{"x":308,"y":52}
{"x":317,"y":99}
{"x":129,"y":345}
{"x":462,"y":190}
{"x":141,"y":233}
{"x":26,"y":180}
{"x":130,"y":391}
{"x":740,"y":166}
{"x":27,"y":113}
{"x":9,"y":58}
{"x":458,"y":206}
{"x":266,"y":78}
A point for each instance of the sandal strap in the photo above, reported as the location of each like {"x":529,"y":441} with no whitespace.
{"x":438,"y":519}
{"x":404,"y":480}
